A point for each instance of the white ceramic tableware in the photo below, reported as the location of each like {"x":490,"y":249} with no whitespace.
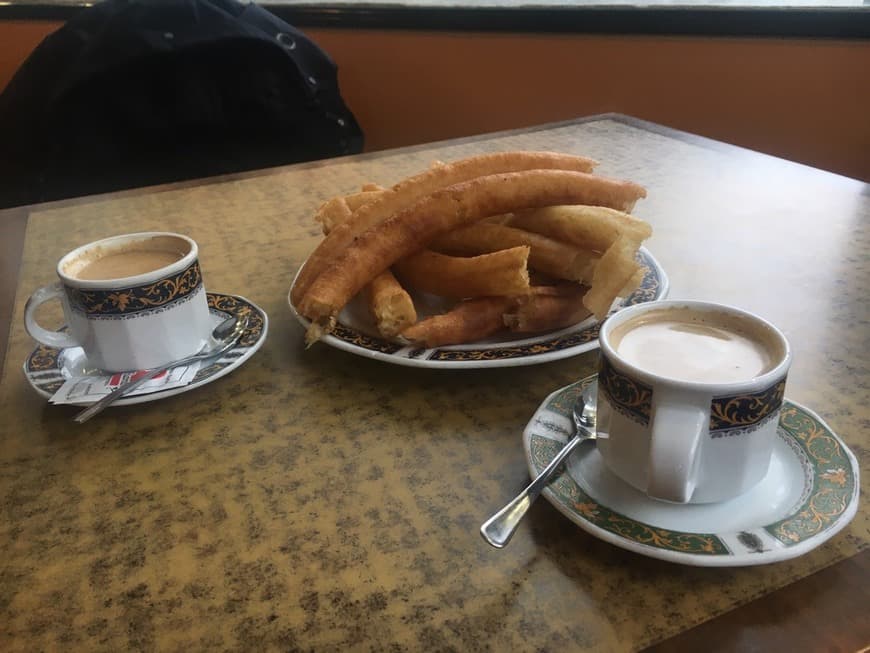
{"x":678,"y":418}
{"x":812,"y":473}
{"x":134,"y":321}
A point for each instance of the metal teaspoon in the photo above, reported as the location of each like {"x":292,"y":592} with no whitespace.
{"x":499,"y":528}
{"x":224,"y":337}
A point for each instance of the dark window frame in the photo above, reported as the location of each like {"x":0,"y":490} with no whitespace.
{"x":780,"y":22}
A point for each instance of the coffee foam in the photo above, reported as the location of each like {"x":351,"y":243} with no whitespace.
{"x":73,"y":266}
{"x":698,"y":345}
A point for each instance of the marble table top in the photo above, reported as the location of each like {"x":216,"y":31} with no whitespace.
{"x":316,"y":500}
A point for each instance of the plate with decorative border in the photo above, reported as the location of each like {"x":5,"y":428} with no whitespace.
{"x":809,"y":495}
{"x":356,"y":333}
{"x":47,"y":368}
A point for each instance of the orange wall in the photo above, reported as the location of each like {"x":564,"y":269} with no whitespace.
{"x":804,"y":100}
{"x":17,"y":39}
{"x":801,"y":99}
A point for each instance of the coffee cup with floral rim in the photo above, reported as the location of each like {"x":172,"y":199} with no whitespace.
{"x":134,"y":301}
{"x":689,"y":398}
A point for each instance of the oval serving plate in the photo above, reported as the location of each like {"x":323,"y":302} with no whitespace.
{"x":356,"y":333}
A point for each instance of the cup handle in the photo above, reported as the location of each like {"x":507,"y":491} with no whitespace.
{"x":58,"y":339}
{"x":675,"y":445}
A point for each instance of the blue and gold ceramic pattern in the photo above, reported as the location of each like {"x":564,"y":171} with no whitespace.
{"x":45,"y":367}
{"x":353,"y":337}
{"x":127,"y":302}
{"x":232,"y":305}
{"x":627,"y":396}
{"x":650,"y":287}
{"x":729,"y":415}
{"x":517,"y":351}
{"x":743,"y":413}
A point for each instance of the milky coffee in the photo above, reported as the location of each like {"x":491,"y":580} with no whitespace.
{"x":697,"y":346}
{"x":130,"y":260}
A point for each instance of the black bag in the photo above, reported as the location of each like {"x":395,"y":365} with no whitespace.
{"x":139,"y":92}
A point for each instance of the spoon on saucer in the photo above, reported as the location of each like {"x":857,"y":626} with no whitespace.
{"x":223,"y":338}
{"x":498,"y":529}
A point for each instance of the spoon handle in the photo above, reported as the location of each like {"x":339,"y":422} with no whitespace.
{"x":498,"y":529}
{"x":117,"y":393}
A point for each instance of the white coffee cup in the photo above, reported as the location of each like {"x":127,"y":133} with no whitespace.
{"x":689,"y":398}
{"x":132,"y":302}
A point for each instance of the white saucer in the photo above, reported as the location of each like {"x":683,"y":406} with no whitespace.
{"x":47,"y":367}
{"x":357,"y":334}
{"x":809,"y":495}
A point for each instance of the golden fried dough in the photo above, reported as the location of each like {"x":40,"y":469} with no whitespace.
{"x":546,"y":308}
{"x":407,"y":192}
{"x":591,"y":227}
{"x":389,"y":304}
{"x":614,"y":271}
{"x":410,"y":230}
{"x":331,"y":213}
{"x":470,"y":320}
{"x":551,"y":257}
{"x":504,"y":272}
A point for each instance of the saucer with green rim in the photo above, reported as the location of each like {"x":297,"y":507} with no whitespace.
{"x":810,"y":493}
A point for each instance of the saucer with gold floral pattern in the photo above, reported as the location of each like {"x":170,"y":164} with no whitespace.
{"x":810,"y":493}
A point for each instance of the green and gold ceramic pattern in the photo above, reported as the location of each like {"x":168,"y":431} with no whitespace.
{"x":629,"y":397}
{"x":834,"y":482}
{"x":568,"y":492}
{"x":742,"y":413}
{"x":126,"y":302}
{"x":830,"y":486}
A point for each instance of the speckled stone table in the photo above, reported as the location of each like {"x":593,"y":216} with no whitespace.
{"x":316,"y":500}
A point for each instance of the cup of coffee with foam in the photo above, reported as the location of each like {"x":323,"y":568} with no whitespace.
{"x":132,"y":302}
{"x":689,"y":395}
